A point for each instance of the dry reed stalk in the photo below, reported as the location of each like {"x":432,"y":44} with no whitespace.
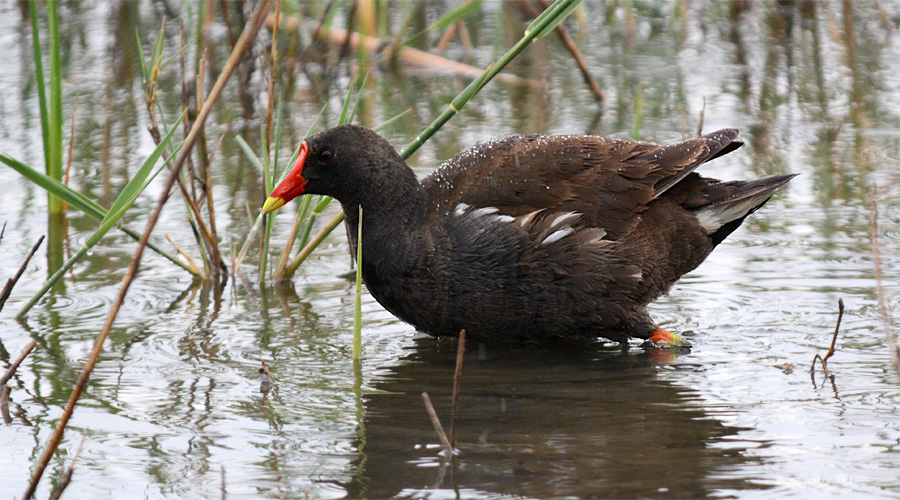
{"x":323,"y":16}
{"x":573,"y":49}
{"x":457,"y":377}
{"x":266,"y":380}
{"x":11,"y":282}
{"x":219,"y":267}
{"x":187,"y":257}
{"x":409,"y":55}
{"x":886,"y":319}
{"x":185,"y":105}
{"x":445,"y":39}
{"x":432,"y":415}
{"x":12,"y":368}
{"x":244,"y":43}
{"x":207,"y":241}
{"x":833,"y":342}
{"x":273,"y":66}
{"x":885,"y":19}
{"x":65,"y":476}
{"x":186,"y":124}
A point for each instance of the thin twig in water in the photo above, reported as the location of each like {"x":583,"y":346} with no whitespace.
{"x":65,"y":477}
{"x":10,"y":283}
{"x":833,"y":341}
{"x":12,"y":369}
{"x":890,"y":339}
{"x":323,"y":16}
{"x":573,"y":49}
{"x":233,"y":60}
{"x":457,"y":377}
{"x":266,"y":381}
{"x":224,"y":491}
{"x":442,"y":436}
{"x":4,"y":403}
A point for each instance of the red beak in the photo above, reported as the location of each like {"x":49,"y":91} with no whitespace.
{"x":292,"y":185}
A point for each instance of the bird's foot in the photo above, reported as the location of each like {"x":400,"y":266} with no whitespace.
{"x":667,"y":339}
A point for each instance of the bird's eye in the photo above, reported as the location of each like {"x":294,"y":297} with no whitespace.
{"x":326,"y":156}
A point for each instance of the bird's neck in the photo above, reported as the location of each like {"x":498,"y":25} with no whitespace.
{"x":389,"y":213}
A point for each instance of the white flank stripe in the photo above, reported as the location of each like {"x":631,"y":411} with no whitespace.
{"x":556,"y":236}
{"x":528,"y":218}
{"x":484,"y":211}
{"x":562,"y":218}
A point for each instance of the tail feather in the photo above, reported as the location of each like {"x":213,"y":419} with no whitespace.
{"x":731,"y":202}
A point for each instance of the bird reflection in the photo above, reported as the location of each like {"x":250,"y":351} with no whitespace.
{"x":579,"y":420}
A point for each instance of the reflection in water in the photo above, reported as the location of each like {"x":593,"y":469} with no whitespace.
{"x":580,"y":420}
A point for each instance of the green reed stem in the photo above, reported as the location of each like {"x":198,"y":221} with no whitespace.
{"x":39,"y":79}
{"x":638,"y":109}
{"x":357,"y":308}
{"x":268,"y":181}
{"x":54,"y":205}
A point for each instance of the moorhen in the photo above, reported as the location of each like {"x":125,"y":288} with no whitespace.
{"x":529,"y":238}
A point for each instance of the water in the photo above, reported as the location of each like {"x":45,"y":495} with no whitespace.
{"x":174,"y":399}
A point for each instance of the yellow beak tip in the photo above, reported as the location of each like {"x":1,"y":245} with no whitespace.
{"x":272,"y":203}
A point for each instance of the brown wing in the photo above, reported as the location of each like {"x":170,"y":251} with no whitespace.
{"x":608,"y":181}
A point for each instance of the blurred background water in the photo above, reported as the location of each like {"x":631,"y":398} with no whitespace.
{"x":174,"y":401}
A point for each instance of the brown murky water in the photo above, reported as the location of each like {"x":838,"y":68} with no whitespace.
{"x":174,"y":400}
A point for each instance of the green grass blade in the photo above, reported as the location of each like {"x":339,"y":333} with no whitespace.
{"x":139,"y":181}
{"x":52,"y":281}
{"x":56,"y":188}
{"x":346,"y":107}
{"x":551,"y":17}
{"x":156,"y":56}
{"x":248,"y":151}
{"x":638,"y":110}
{"x":454,"y":15}
{"x":278,"y":121}
{"x":447,"y":19}
{"x":55,"y":122}
{"x":357,"y":308}
{"x":359,"y":94}
{"x":135,"y":186}
{"x":39,"y":79}
{"x":79,"y":202}
{"x":140,"y":46}
{"x":269,"y":181}
{"x":322,"y":204}
{"x":390,"y":121}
